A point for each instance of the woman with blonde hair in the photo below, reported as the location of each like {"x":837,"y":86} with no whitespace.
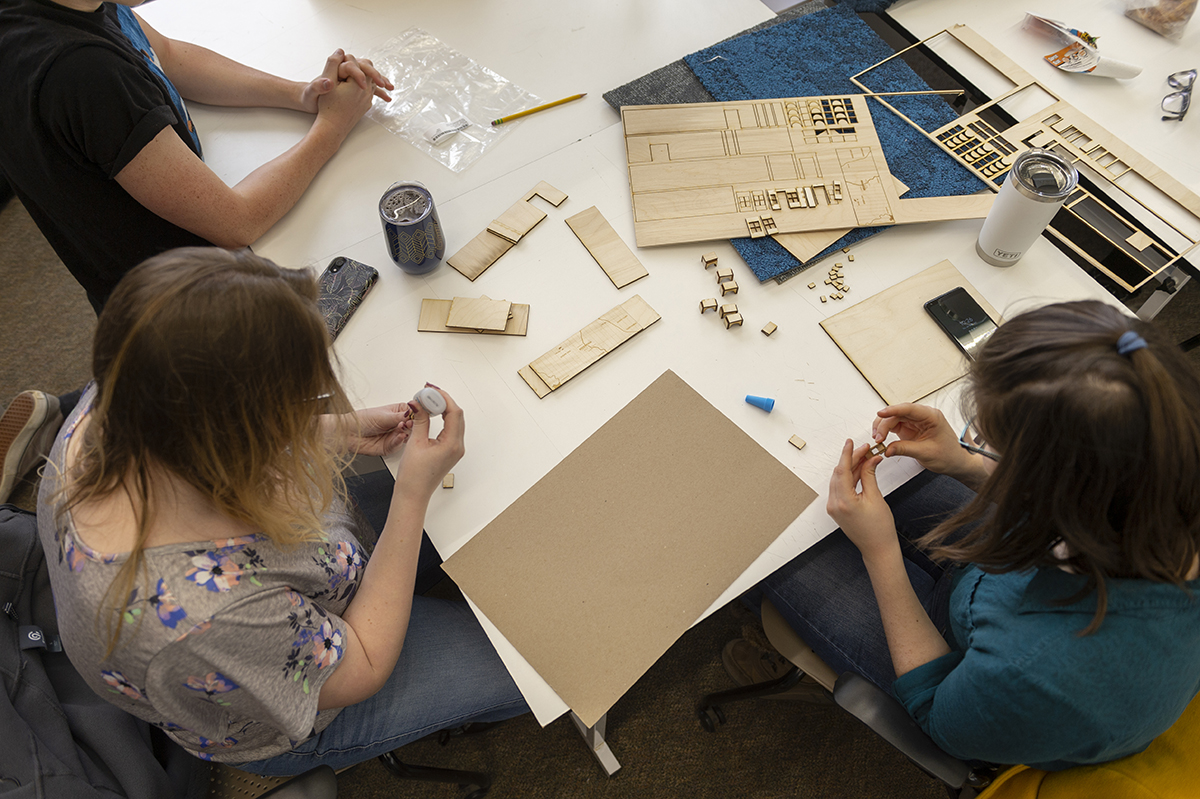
{"x":1039,"y":603}
{"x":209,"y":574}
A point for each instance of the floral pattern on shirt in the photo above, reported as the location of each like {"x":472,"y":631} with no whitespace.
{"x":212,"y":685}
{"x":223,"y":567}
{"x":317,"y":642}
{"x":117,"y":684}
{"x":342,"y":565}
{"x":165,"y":605}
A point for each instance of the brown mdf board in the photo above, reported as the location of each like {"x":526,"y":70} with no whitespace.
{"x":613,"y":254}
{"x":702,"y":171}
{"x":589,"y":345}
{"x":895,"y":343}
{"x":504,"y":232}
{"x":598,"y":568}
{"x":479,"y":313}
{"x":434,"y":314}
{"x":1123,"y":190}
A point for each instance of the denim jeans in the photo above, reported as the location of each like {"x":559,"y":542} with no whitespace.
{"x":825,"y":593}
{"x":448,"y":674}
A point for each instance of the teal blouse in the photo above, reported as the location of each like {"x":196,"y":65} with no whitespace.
{"x":1022,"y":686}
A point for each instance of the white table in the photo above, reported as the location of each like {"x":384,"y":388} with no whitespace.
{"x":554,"y":48}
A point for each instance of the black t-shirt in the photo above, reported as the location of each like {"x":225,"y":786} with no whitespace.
{"x":79,"y":104}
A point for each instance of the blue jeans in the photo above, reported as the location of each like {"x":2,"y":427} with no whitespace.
{"x":448,"y":674}
{"x":825,"y":593}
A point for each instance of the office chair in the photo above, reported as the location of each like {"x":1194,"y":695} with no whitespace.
{"x":1168,"y":769}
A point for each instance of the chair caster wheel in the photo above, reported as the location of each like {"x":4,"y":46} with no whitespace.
{"x":710,"y":717}
{"x":477,"y":794}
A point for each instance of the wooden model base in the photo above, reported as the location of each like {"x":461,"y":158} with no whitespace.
{"x":589,"y":345}
{"x":504,"y":232}
{"x":705,"y":171}
{"x":613,"y":254}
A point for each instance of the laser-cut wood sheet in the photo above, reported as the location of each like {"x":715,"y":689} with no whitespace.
{"x":598,"y":568}
{"x":704,"y":171}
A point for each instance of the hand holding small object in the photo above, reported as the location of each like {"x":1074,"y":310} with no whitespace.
{"x":431,"y":400}
{"x":864,"y":516}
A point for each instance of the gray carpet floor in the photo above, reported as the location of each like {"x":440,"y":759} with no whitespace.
{"x":767,"y":748}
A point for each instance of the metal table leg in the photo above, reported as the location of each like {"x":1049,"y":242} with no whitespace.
{"x":594,"y":737}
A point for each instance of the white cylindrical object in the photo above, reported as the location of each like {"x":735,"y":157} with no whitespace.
{"x":1034,"y":189}
{"x":431,"y":400}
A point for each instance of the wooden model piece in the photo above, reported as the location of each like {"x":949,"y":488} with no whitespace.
{"x":906,"y":365}
{"x":728,"y":309}
{"x":704,"y":171}
{"x":729,"y":287}
{"x":504,"y":232}
{"x":878,"y":449}
{"x":769,"y":328}
{"x":797,"y":442}
{"x":708,"y":305}
{"x":589,"y":345}
{"x":709,"y":259}
{"x":613,"y":255}
{"x":1111,"y":165}
{"x":435,"y":314}
{"x":724,"y":274}
{"x":479,"y":314}
{"x":823,"y":298}
{"x":733,"y":319}
{"x":812,"y":285}
{"x":448,"y":480}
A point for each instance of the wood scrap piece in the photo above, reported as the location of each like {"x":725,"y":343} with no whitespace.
{"x":769,"y":328}
{"x":797,"y":442}
{"x":536,"y":383}
{"x":519,"y":219}
{"x":499,"y":237}
{"x":547,"y":193}
{"x":478,"y":254}
{"x":448,"y":480}
{"x":609,"y":250}
{"x":479,"y":313}
{"x":434,"y":314}
{"x":589,"y":345}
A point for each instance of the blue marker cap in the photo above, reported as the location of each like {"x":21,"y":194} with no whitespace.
{"x":766,"y":403}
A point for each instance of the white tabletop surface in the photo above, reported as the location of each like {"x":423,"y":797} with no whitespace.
{"x":558,"y":47}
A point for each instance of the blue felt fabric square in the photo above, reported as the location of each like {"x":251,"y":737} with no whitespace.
{"x":816,"y":55}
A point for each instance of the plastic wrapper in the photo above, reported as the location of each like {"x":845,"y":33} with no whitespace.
{"x":1079,"y":53}
{"x":444,"y":102}
{"x":1168,"y":17}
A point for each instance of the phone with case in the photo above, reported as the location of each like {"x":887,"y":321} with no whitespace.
{"x":343,"y":285}
{"x":962,"y":319}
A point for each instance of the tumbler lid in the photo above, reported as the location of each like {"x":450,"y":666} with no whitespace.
{"x":1044,"y":176}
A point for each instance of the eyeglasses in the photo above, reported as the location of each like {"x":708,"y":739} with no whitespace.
{"x":1175,"y":105}
{"x":970,"y":440}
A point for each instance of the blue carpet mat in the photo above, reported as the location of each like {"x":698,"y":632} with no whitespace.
{"x":815,"y":55}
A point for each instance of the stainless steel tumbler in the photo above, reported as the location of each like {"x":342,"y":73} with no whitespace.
{"x":1034,"y":189}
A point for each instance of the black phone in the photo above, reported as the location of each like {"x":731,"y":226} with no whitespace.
{"x":964,"y":321}
{"x":343,"y":285}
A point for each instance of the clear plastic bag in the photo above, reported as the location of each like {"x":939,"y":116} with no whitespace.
{"x":444,"y":102}
{"x":1167,"y":17}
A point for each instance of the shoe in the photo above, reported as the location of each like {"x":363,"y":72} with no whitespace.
{"x":27,"y":431}
{"x":750,"y":664}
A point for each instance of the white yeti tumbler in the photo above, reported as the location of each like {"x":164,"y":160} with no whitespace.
{"x":1034,"y":189}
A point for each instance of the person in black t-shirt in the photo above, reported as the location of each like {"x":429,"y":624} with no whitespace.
{"x":96,"y":141}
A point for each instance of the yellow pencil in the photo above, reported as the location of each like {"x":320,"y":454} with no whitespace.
{"x":529,"y":111}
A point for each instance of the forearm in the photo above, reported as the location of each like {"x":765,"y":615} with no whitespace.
{"x":972,"y":470}
{"x":912,"y":638}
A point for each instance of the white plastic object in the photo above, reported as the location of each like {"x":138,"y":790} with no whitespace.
{"x":1034,"y":189}
{"x":431,"y":400}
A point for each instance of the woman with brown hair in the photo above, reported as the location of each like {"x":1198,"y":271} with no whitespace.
{"x":208,"y":572}
{"x":1059,"y":624}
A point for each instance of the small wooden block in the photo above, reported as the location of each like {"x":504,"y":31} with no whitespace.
{"x":812,"y":285}
{"x":837,"y":266}
{"x":726,"y":310}
{"x":733,"y":319}
{"x":448,"y":480}
{"x":845,"y":249}
{"x":828,"y":281}
{"x":769,"y":328}
{"x":729,"y":287}
{"x":878,"y":449}
{"x":849,"y":257}
{"x":797,"y":442}
{"x":709,"y":259}
{"x":724,"y":274}
{"x":823,"y":298}
{"x":708,"y":305}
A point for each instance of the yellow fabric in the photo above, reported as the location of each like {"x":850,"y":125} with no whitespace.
{"x":1168,"y":769}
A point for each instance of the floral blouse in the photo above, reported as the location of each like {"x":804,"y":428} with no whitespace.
{"x":225,"y":643}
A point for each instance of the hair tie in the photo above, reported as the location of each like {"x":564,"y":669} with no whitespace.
{"x":1129,"y":342}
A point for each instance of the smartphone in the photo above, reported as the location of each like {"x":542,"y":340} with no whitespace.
{"x":964,"y":321}
{"x":343,"y":285}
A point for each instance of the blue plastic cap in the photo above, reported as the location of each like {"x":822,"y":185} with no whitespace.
{"x":766,"y":403}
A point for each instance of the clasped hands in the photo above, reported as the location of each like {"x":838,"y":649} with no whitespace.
{"x":926,"y":436}
{"x":341,"y":67}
